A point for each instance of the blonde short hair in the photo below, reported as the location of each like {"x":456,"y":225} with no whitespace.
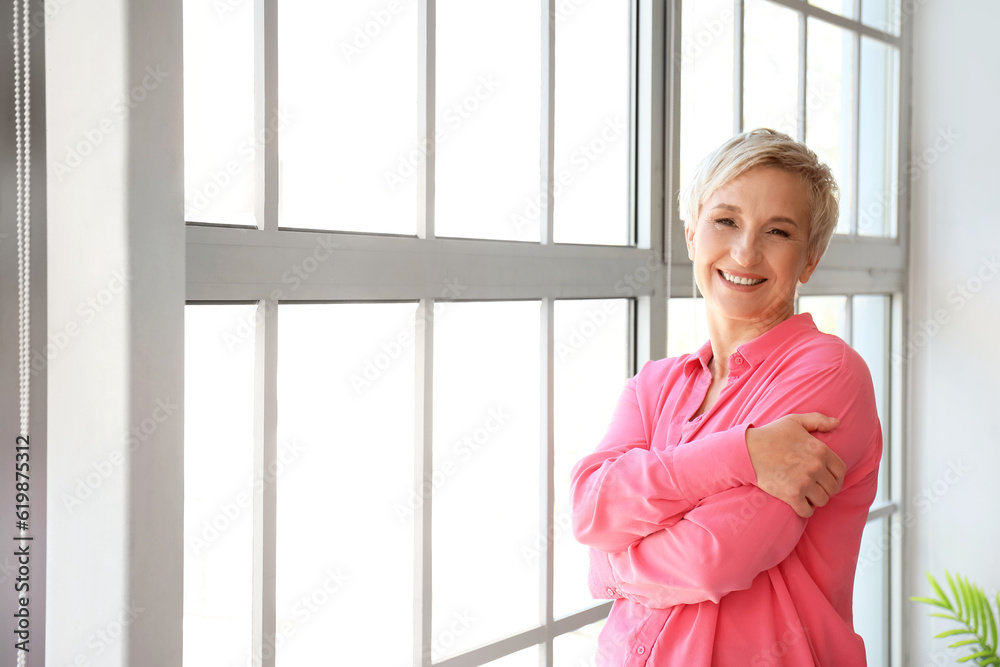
{"x":767,"y":148}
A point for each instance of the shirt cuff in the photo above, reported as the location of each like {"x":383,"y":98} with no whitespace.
{"x":714,"y":464}
{"x":601,"y":578}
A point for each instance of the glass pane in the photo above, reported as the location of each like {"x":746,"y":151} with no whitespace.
{"x":219,"y":485}
{"x":488,"y":102}
{"x":487,"y":450}
{"x":828,"y":312}
{"x":706,"y":80}
{"x":884,"y":14}
{"x":829,"y":107}
{"x":842,"y":7}
{"x":524,"y":658}
{"x":771,"y":67}
{"x":591,"y":367}
{"x":219,"y":142}
{"x":348,"y":89}
{"x":870,"y":326}
{"x":592,"y":124}
{"x":687,"y":327}
{"x":344,"y":479}
{"x":878,"y":183}
{"x":871,"y":589}
{"x":578,"y":648}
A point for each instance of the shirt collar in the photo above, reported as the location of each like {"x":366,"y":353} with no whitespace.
{"x":702,"y":356}
{"x":756,"y":350}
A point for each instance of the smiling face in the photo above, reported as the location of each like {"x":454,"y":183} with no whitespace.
{"x":750,"y":247}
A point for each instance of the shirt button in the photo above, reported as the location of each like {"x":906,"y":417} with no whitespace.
{"x":641,"y":650}
{"x":611,"y":592}
{"x":737,"y":359}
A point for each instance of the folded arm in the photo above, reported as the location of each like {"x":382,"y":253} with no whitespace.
{"x":718,"y":547}
{"x":625,"y":491}
{"x":730,"y":537}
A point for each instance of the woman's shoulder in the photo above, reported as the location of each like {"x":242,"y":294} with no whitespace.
{"x":822,"y":352}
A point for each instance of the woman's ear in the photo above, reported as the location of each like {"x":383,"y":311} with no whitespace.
{"x":810,"y":266}
{"x":689,"y":238}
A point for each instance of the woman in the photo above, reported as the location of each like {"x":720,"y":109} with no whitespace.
{"x":725,"y":505}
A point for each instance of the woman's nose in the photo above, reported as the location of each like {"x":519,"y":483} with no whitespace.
{"x":746,"y":251}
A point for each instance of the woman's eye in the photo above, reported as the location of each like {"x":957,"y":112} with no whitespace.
{"x":725,"y":221}
{"x":780,"y":232}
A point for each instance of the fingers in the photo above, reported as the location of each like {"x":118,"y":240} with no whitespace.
{"x":802,"y":507}
{"x":793,"y":465}
{"x":837,"y":466}
{"x":815,"y":421}
{"x":815,"y":495}
{"x":828,"y":485}
{"x":818,"y":496}
{"x":831,"y":476}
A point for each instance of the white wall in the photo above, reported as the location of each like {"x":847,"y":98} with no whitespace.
{"x":954,"y":433}
{"x":116,"y":296}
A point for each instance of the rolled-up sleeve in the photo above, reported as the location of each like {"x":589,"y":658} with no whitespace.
{"x":625,"y":491}
{"x":718,"y":547}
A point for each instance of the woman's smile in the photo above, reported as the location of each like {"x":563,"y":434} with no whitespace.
{"x":740,"y":279}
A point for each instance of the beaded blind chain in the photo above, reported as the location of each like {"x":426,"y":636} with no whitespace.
{"x":21,"y":41}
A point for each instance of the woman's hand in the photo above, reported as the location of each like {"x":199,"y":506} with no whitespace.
{"x":792,"y":465}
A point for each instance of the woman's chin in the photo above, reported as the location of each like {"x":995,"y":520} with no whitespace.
{"x":752,"y":312}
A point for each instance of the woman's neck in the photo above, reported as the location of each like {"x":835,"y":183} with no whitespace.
{"x":727,"y":335}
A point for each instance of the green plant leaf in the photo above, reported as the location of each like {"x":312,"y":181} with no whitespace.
{"x":964,"y":642}
{"x":975,"y":603}
{"x":954,"y":631}
{"x":980,"y":654}
{"x":973,"y":611}
{"x":932,"y":601}
{"x":977,"y":608}
{"x":983,"y":603}
{"x":989,"y":622}
{"x":969,"y":602}
{"x":993,"y":623}
{"x":958,"y":598}
{"x":937,"y":589}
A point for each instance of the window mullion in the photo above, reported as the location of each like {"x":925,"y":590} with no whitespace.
{"x":738,"y":53}
{"x":426,"y":91}
{"x":547,"y":337}
{"x":654,"y":44}
{"x":849,"y":319}
{"x":673,"y":232}
{"x":803,"y":76}
{"x":855,"y":130}
{"x":266,"y":172}
{"x":548,"y":120}
{"x":423,"y":472}
{"x":265,"y":494}
{"x":547,"y":477}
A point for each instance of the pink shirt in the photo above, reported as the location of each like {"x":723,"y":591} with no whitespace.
{"x":704,"y":567}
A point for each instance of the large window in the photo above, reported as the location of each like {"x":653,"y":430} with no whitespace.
{"x":428,"y":242}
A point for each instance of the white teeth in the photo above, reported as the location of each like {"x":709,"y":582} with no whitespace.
{"x":741,"y":281}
